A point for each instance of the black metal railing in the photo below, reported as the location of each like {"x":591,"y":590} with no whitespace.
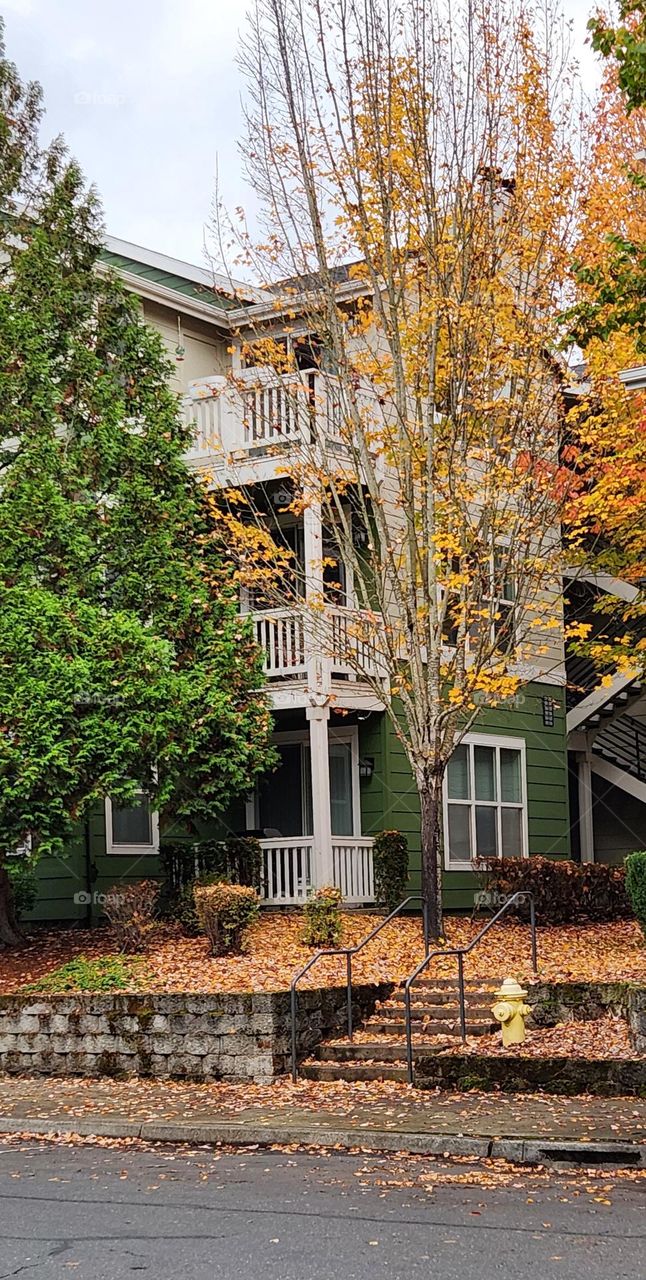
{"x":349,"y":953}
{"x":460,"y":953}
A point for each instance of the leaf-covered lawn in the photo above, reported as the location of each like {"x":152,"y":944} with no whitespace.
{"x":173,"y":962}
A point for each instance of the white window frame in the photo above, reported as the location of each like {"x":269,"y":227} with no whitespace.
{"x":502,"y":743}
{"x":291,"y":738}
{"x":132,"y":848}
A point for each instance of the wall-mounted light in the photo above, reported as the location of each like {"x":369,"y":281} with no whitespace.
{"x":366,"y":767}
{"x":549,"y":709}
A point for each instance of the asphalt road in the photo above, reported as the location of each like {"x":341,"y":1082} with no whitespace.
{"x":106,"y":1213}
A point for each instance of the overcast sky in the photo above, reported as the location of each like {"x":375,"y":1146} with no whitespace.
{"x":147,"y":94}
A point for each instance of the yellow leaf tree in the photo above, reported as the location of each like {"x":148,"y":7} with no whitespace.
{"x":429,"y":146}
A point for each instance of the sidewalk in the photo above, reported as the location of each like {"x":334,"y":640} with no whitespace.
{"x":380,"y":1117}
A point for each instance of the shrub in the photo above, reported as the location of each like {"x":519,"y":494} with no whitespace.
{"x":225,"y":912}
{"x":238,"y":860}
{"x":636,"y":886}
{"x":110,"y":973}
{"x":24,"y":883}
{"x":390,"y":861}
{"x":564,"y":892}
{"x":131,"y":910}
{"x":323,"y":923}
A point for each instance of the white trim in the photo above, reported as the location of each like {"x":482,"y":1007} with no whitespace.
{"x":606,"y":582}
{"x":599,"y":698}
{"x":132,"y":849}
{"x":618,"y":777}
{"x":502,"y":742}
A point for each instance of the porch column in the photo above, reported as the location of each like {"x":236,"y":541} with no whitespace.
{"x":322,"y":869}
{"x":313,"y":552}
{"x":586,"y":823}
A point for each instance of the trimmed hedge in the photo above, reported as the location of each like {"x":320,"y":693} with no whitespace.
{"x":636,"y":886}
{"x":564,"y":892}
{"x":390,"y":862}
{"x":225,"y":912}
{"x":322,"y":918}
{"x":185,"y":864}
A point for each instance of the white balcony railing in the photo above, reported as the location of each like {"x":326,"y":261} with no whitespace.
{"x":258,"y":412}
{"x":291,"y":638}
{"x":289,"y":871}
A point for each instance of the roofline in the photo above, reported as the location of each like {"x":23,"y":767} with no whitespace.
{"x":187,"y":270}
{"x":634,"y":379}
{"x":166,"y":297}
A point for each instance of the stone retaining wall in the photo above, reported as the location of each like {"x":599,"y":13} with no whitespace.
{"x":204,"y":1037}
{"x":554,"y":1002}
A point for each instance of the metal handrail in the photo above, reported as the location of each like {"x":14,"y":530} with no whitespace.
{"x":348,"y":952}
{"x":460,"y":953}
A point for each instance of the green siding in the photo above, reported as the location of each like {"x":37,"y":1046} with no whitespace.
{"x":60,"y":879}
{"x":389,"y":798}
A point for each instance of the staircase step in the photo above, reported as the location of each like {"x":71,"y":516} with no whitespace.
{"x":434,"y":1026}
{"x":353,"y":1071}
{"x":429,"y":1009}
{"x":376,"y":1051}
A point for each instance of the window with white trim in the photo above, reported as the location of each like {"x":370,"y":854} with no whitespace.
{"x":485,"y":804}
{"x":132,"y":828}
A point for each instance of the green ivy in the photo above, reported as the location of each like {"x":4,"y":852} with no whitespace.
{"x":110,"y":973}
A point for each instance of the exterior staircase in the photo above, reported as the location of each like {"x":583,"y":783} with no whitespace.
{"x":378,"y":1049}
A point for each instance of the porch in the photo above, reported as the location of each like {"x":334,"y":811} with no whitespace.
{"x":307,"y":814}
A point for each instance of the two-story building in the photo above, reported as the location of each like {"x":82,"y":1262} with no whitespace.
{"x":343,"y":775}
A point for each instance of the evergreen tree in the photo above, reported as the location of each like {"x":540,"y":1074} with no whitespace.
{"x":123,"y":662}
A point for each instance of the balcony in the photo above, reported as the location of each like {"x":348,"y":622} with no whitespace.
{"x":340,"y":641}
{"x":289,"y":870}
{"x":244,"y":429}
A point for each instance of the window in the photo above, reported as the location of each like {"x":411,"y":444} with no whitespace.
{"x":484,"y":800}
{"x":283,"y":802}
{"x":131,"y":828}
{"x":497,"y":599}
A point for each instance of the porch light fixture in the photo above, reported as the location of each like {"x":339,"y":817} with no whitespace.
{"x":549,"y":707}
{"x":366,"y":767}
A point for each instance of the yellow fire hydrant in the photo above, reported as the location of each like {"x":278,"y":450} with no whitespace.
{"x":510,"y":1009}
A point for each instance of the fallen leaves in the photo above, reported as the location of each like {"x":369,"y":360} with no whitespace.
{"x":175,"y":963}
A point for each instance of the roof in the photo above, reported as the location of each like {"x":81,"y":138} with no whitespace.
{"x":197,"y":283}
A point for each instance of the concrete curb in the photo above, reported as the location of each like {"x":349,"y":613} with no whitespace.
{"x":548,"y":1151}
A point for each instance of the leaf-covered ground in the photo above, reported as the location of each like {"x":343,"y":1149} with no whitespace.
{"x":175,"y":963}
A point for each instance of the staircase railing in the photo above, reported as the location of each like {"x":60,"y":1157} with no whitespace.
{"x":460,"y":953}
{"x":349,"y":953}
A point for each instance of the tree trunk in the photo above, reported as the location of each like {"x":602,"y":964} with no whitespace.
{"x":10,"y":934}
{"x":430,"y":797}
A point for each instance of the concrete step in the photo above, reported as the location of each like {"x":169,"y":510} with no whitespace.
{"x":424,"y":1009}
{"x":353,"y":1071}
{"x":432,"y":1026}
{"x":375,"y":1052}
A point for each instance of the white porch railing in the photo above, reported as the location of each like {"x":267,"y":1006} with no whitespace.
{"x":290,"y":638}
{"x":353,"y":869}
{"x":286,"y":870}
{"x":289,"y":872}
